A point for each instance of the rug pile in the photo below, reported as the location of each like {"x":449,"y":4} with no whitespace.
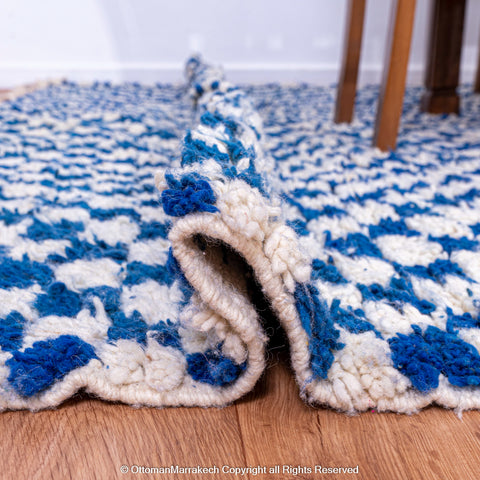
{"x":139,"y":226}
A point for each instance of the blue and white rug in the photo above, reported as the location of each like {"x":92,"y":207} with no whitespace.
{"x":127,"y":219}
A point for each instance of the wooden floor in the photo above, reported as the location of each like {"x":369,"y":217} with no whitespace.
{"x":90,"y":439}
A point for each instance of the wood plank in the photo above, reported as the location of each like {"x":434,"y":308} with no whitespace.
{"x":392,"y":88}
{"x":279,"y":429}
{"x":92,"y":439}
{"x":352,"y":46}
{"x":87,"y":438}
{"x":444,"y":49}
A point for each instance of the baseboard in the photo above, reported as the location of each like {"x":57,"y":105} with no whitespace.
{"x":240,"y":72}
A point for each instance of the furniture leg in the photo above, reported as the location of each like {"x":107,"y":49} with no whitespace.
{"x":443,"y":62}
{"x":392,"y":88}
{"x":352,"y":45}
{"x":476,"y":87}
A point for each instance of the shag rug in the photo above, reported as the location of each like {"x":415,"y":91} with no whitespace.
{"x":143,"y":228}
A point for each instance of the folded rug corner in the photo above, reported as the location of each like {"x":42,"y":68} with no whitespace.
{"x":135,"y":241}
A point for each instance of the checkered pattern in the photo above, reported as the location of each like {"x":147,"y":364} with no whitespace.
{"x":130,"y":287}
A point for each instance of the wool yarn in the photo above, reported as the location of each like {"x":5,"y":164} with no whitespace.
{"x":135,"y":226}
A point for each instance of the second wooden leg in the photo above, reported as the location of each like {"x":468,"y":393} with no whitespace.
{"x":476,"y":86}
{"x":352,"y":45}
{"x":444,"y":52}
{"x":392,"y":89}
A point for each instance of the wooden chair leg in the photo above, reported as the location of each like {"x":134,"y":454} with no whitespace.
{"x":392,"y":89}
{"x":352,"y":45}
{"x":476,"y":87}
{"x":443,"y":62}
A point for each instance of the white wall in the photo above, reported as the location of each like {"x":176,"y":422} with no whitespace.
{"x":148,"y":40}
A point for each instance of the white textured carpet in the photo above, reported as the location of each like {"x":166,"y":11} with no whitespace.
{"x":137,"y":290}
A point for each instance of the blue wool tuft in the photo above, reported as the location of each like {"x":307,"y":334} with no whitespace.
{"x":415,"y":187}
{"x":210,"y":120}
{"x":450,"y":244}
{"x":308,"y":213}
{"x":455,"y":178}
{"x":196,"y":151}
{"x":237,"y":151}
{"x":109,"y":296}
{"x":253,"y":178}
{"x":39,"y":231}
{"x":355,"y":244}
{"x":387,"y":226}
{"x":475,"y":228}
{"x":81,"y":249}
{"x":129,"y":328}
{"x":110,"y":213}
{"x":11,"y":218}
{"x":409,"y":209}
{"x":176,"y":273}
{"x":416,"y":359}
{"x":138,"y":272}
{"x":58,"y":301}
{"x":213,"y":368}
{"x":166,"y":334}
{"x":39,"y":366}
{"x":437,"y":270}
{"x":192,"y":193}
{"x":304,"y":192}
{"x":466,"y":320}
{"x":151,"y":230}
{"x":439,"y":199}
{"x":23,"y":274}
{"x":318,"y":323}
{"x":299,"y":226}
{"x":399,"y":292}
{"x":11,"y":331}
{"x":352,"y":320}
{"x":160,"y":133}
{"x":469,"y":196}
{"x":330,"y":273}
{"x":460,"y":361}
{"x":423,"y":357}
{"x":361,"y":199}
{"x":215,"y":119}
{"x":332,"y":211}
